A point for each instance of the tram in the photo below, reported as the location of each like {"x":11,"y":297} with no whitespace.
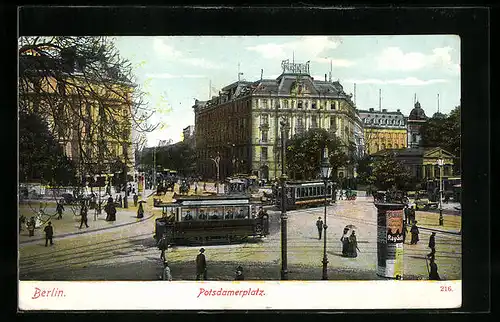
{"x":305,"y":194}
{"x":201,"y":219}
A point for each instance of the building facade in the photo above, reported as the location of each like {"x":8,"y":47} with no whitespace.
{"x":422,"y":163}
{"x":91,"y":121}
{"x":415,"y":121}
{"x":383,"y":130}
{"x":188,"y":132}
{"x":239,"y":130}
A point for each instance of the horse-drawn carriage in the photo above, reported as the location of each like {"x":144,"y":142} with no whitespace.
{"x":205,"y":218}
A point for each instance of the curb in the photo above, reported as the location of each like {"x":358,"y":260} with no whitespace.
{"x":88,"y":231}
{"x":441,"y":231}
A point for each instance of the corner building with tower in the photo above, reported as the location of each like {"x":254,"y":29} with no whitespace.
{"x":241,"y":126}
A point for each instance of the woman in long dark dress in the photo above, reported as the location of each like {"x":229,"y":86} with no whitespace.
{"x":140,"y":211}
{"x":353,"y":245}
{"x":345,"y":242}
{"x":110,"y":210}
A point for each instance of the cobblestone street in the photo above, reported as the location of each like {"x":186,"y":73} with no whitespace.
{"x":128,"y":252}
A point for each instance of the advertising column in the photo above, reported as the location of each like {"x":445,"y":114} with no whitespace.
{"x":390,"y":240}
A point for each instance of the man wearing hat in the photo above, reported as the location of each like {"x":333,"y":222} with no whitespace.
{"x":49,"y":233}
{"x":201,"y":265}
{"x":432,"y":245}
{"x":414,"y":233}
{"x":167,"y":276}
{"x":319,"y":225}
{"x":239,"y":274}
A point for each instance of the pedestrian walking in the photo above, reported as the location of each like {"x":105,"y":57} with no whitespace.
{"x":110,"y":210}
{"x":140,"y":211}
{"x":433,"y":271}
{"x":412,"y":214}
{"x":163,"y":245}
{"x":201,"y":266}
{"x":49,"y":233}
{"x":239,"y":274}
{"x":167,"y":275}
{"x":83,"y":216}
{"x":405,"y":231}
{"x":319,"y":225}
{"x":136,"y":199}
{"x":432,"y":245}
{"x":353,"y":245}
{"x":345,"y":242}
{"x":414,"y":234}
{"x":204,"y":186}
{"x":59,"y":210}
{"x":120,"y":203}
{"x":406,"y":213}
{"x":31,"y":226}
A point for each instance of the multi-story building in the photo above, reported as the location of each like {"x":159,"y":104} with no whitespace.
{"x":188,"y":132}
{"x":91,"y":120}
{"x":383,"y":130}
{"x":415,"y":121}
{"x":240,"y":129}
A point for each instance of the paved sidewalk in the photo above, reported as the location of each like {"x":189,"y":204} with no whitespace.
{"x":428,"y":220}
{"x":70,"y":223}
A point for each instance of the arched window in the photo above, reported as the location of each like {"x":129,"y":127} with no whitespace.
{"x":376,"y":147}
{"x":382,"y":147}
{"x":396,"y":146}
{"x":389,"y":146}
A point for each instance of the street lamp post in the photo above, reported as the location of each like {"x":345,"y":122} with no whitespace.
{"x":217,"y":163}
{"x":284,"y":264}
{"x":325,"y":172}
{"x":440,"y":164}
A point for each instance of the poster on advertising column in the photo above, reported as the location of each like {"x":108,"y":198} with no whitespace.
{"x":390,"y":241}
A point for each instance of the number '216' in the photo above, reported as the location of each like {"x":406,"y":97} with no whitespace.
{"x":446,"y":289}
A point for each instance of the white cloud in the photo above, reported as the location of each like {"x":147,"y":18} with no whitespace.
{"x":335,"y":62}
{"x":304,"y":48}
{"x":409,"y":81}
{"x":170,"y":76}
{"x":393,"y":58}
{"x":201,"y":62}
{"x":165,"y":50}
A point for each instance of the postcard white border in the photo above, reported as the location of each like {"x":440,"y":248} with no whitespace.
{"x":277,"y":295}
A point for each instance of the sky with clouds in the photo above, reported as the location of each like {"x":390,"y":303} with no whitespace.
{"x":174,"y":71}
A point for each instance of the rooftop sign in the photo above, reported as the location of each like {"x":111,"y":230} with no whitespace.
{"x":295,"y":68}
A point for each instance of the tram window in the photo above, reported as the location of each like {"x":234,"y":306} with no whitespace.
{"x":322,"y":191}
{"x":202,"y":215}
{"x":329,"y":190}
{"x":310,"y":192}
{"x":301,"y":193}
{"x":187,"y":214}
{"x":229,"y":213}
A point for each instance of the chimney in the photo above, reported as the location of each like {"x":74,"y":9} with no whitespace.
{"x":384,"y":110}
{"x":325,"y":77}
{"x":398,"y":110}
{"x":261,"y":73}
{"x":371,"y":109}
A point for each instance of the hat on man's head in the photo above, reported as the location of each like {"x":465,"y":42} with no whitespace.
{"x":319,"y":217}
{"x":202,"y":250}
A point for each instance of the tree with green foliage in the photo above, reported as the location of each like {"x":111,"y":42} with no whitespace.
{"x":387,"y":172}
{"x":304,"y":153}
{"x":444,"y":131}
{"x":41,"y":158}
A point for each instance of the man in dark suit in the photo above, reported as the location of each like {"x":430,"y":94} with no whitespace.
{"x":201,"y":265}
{"x":319,"y":225}
{"x":49,"y":233}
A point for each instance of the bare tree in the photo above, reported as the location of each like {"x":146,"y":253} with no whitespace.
{"x":87,"y":93}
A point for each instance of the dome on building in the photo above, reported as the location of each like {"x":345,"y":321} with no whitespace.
{"x":417,"y":113}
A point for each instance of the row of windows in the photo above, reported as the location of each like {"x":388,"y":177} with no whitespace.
{"x":270,"y":103}
{"x":264,"y":120}
{"x":312,"y":191}
{"x":383,"y":121}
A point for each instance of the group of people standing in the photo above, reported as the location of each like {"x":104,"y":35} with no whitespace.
{"x":349,"y":240}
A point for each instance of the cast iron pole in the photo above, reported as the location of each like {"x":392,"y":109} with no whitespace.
{"x":284,"y":264}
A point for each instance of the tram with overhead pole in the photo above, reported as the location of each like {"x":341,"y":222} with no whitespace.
{"x":201,"y":219}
